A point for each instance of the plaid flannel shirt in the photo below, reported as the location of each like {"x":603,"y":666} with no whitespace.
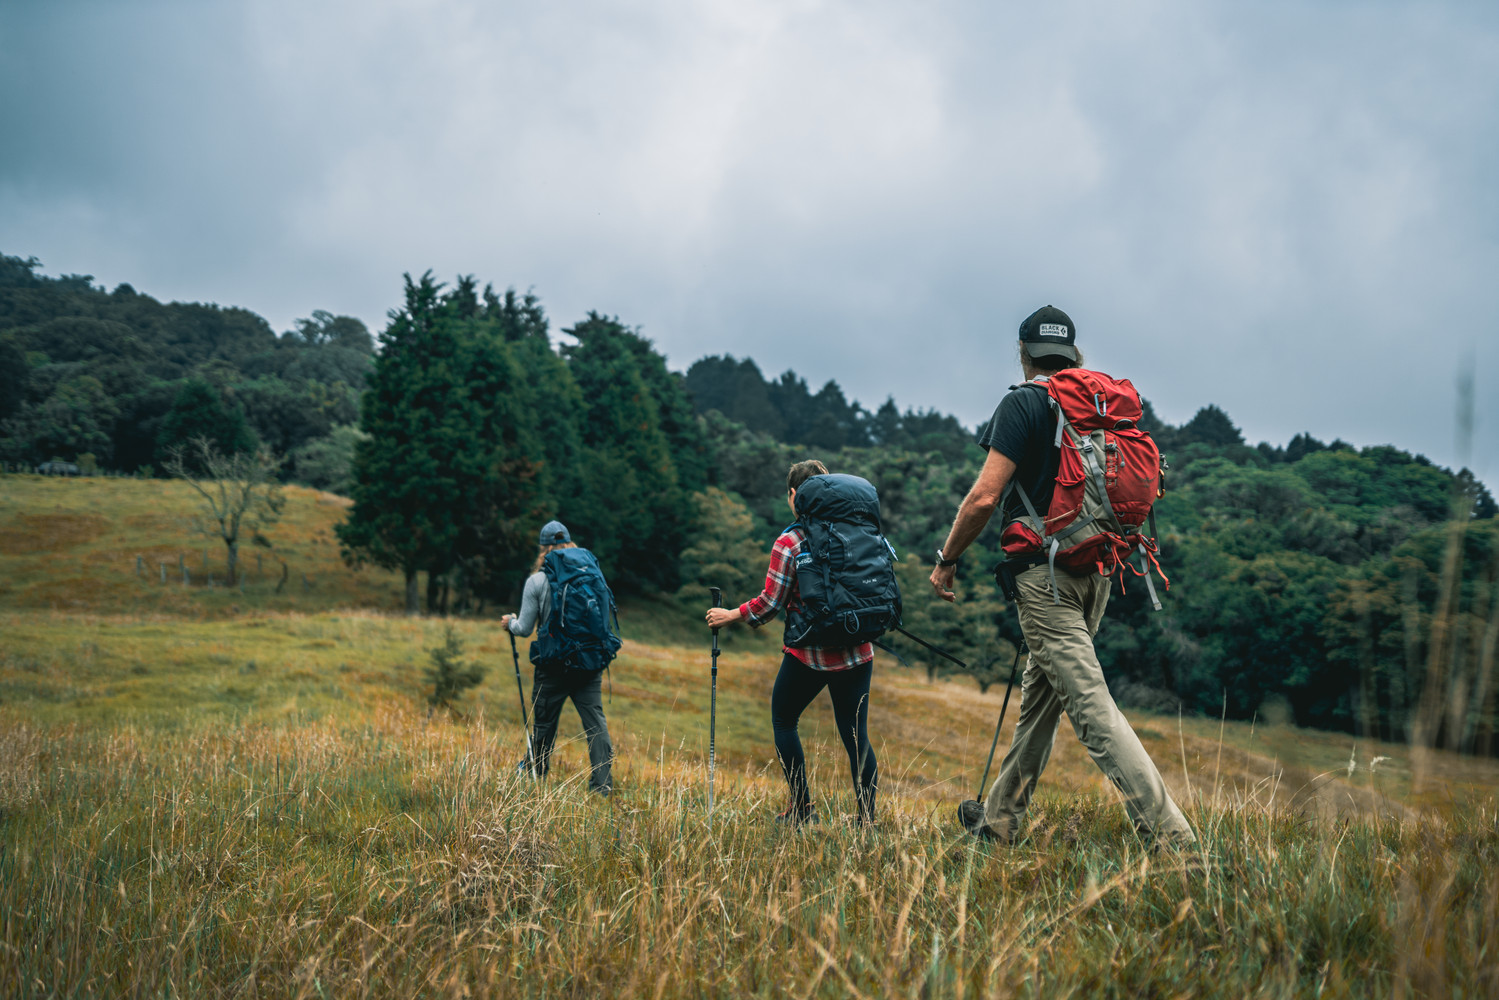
{"x":781,"y":592}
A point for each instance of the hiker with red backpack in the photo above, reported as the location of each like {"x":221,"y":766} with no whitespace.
{"x":569,"y":604}
{"x":1073,"y":477}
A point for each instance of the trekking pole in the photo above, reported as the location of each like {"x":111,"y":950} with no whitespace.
{"x":713,"y":704}
{"x":520,"y":690}
{"x":995,"y":745}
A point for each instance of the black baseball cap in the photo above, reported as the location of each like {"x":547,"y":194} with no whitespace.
{"x":1048,"y":331}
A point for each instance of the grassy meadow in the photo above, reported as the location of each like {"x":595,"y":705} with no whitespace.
{"x":213,"y":792}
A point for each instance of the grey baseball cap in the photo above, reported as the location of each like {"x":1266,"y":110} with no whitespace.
{"x":553,"y":533}
{"x":1048,"y":331}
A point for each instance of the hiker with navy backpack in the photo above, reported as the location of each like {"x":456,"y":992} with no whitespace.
{"x":1073,"y":477}
{"x":831,"y":573}
{"x":569,"y":604}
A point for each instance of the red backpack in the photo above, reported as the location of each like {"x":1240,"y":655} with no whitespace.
{"x":1108,"y":477}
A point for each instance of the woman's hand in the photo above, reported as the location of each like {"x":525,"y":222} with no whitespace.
{"x":719,"y":617}
{"x":505,"y":621}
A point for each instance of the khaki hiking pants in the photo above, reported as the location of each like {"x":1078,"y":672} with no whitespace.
{"x":1062,"y":675}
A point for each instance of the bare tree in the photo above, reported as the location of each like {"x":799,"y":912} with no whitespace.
{"x":238,"y":492}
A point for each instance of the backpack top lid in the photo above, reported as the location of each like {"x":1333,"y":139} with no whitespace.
{"x":564,"y":564}
{"x":838,"y":497}
{"x":1094,"y":401}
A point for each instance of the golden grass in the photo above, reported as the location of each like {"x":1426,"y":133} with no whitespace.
{"x":72,"y":544}
{"x":402,"y":856}
{"x":209,"y":795}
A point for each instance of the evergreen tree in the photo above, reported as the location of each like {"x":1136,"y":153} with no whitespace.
{"x":14,"y":373}
{"x":632,"y":505}
{"x":452,"y":479}
{"x":1209,"y":426}
{"x":199,"y":412}
{"x":449,"y":675}
{"x":403,"y":490}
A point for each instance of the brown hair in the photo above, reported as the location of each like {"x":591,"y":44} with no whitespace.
{"x":1048,"y":364}
{"x":803,"y":471}
{"x":542,"y":554}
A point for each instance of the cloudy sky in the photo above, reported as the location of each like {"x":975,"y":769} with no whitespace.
{"x":1289,"y":209}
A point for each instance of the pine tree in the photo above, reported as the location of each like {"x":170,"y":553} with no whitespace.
{"x":454,"y":477}
{"x":402,"y":491}
{"x":199,"y":412}
{"x":631,"y":505}
{"x":449,"y":675}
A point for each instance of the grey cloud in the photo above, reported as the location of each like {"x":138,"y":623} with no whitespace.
{"x":1286,"y":209}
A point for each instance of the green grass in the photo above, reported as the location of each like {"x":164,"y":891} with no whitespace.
{"x":209,"y":794}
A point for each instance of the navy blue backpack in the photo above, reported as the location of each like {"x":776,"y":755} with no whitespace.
{"x":576,"y":632}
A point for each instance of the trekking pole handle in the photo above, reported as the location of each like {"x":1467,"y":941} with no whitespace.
{"x":717,"y":600}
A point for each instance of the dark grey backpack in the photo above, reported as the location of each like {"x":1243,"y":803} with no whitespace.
{"x":846,"y":569}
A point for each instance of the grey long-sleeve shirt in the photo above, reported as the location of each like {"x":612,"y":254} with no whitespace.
{"x":535,"y":604}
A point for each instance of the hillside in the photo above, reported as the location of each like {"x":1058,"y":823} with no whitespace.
{"x":90,"y":637}
{"x":1356,"y":588}
{"x":210,"y":792}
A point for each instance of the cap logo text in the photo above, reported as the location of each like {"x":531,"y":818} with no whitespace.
{"x":1051,"y":330}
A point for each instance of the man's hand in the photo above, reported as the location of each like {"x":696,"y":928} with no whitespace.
{"x":973,"y":514}
{"x":942,"y":581}
{"x":505,"y":621}
{"x":719,"y":617}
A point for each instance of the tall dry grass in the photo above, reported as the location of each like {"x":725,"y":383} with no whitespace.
{"x":405,"y":857}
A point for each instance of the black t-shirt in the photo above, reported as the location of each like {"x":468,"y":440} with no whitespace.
{"x":1023,"y":429}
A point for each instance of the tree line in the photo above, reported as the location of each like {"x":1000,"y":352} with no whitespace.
{"x":117,"y":380}
{"x":1347,"y":588}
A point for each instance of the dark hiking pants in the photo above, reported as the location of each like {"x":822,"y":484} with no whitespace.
{"x":553,"y":686}
{"x":796,"y":686}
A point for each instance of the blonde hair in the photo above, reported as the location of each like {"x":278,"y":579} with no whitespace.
{"x":541,"y":555}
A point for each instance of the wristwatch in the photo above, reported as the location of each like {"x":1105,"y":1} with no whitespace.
{"x":942,"y":560}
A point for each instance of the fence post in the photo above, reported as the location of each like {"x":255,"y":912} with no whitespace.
{"x":163,"y":572}
{"x":140,"y":566}
{"x":187,"y":577}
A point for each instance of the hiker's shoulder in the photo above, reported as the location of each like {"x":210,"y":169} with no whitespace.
{"x":1022,"y":404}
{"x":1027,"y":394}
{"x":791,"y":538}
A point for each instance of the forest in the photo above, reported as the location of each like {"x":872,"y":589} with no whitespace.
{"x":1347,"y":588}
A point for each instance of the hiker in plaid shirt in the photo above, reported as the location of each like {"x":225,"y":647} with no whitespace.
{"x":844,"y":670}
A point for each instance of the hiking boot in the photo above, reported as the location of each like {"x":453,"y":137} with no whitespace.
{"x":971,"y":815}
{"x":797,"y":816}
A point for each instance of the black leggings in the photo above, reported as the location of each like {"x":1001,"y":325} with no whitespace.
{"x":796,"y":686}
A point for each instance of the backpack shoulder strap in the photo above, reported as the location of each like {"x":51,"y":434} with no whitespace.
{"x":1039,"y":382}
{"x":1012,"y":487}
{"x":1042,"y":382}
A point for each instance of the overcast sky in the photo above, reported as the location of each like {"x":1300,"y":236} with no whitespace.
{"x":1289,"y":209}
